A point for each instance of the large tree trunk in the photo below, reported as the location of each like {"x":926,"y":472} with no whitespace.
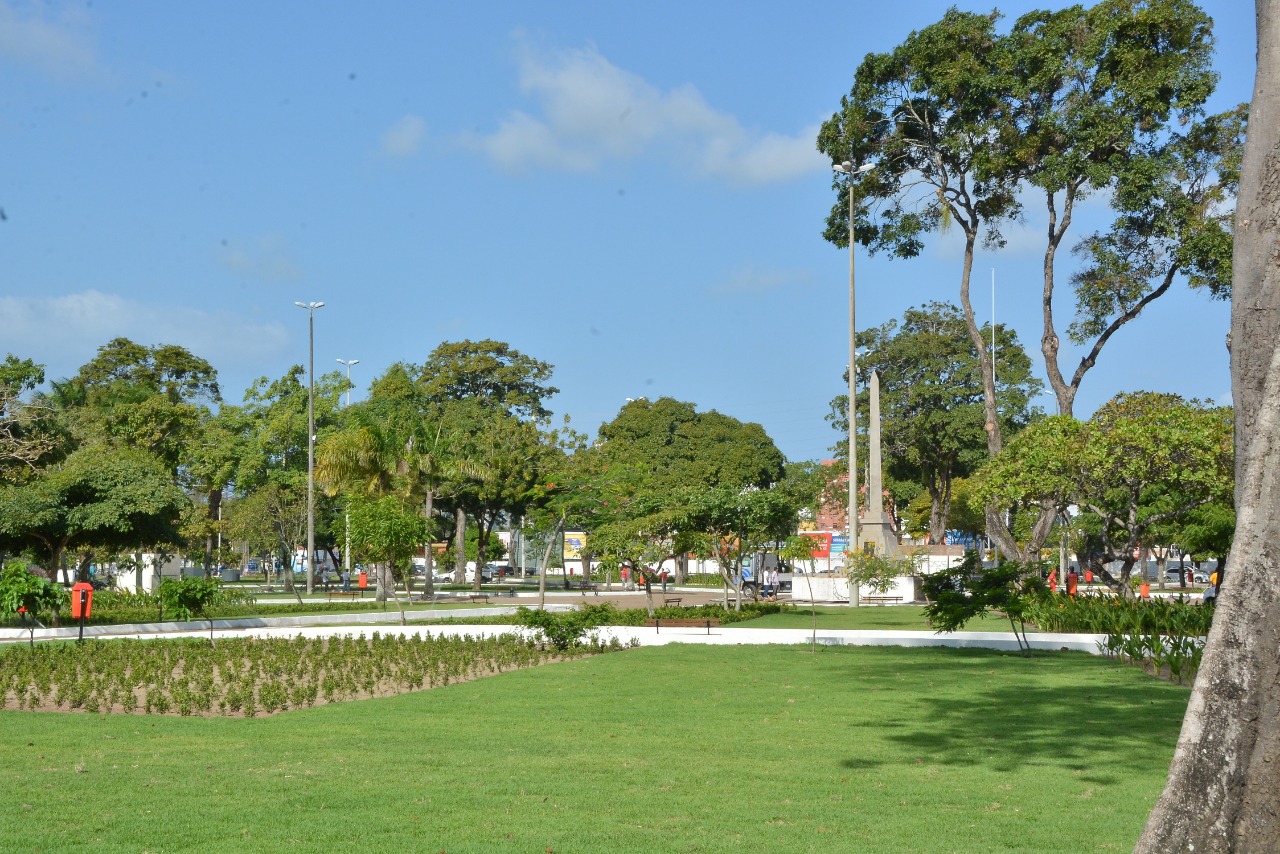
{"x":428,"y":554}
{"x":1223,"y":784}
{"x":483,"y":524}
{"x":460,"y":546}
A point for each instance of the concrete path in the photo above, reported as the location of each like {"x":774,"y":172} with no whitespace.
{"x":358,"y":624}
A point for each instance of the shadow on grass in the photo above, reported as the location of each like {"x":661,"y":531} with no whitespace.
{"x":1093,"y":716}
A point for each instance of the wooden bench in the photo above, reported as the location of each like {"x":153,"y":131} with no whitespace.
{"x":584,"y":586}
{"x":345,"y":594}
{"x":682,"y":622}
{"x":672,"y":601}
{"x":479,"y":597}
{"x":881,"y":600}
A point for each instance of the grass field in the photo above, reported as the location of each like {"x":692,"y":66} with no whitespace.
{"x":672,"y":749}
{"x":905,"y":617}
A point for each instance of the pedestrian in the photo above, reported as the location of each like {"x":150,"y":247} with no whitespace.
{"x":324,"y":577}
{"x":346,"y":580}
{"x":663,"y":575}
{"x":626,"y":578}
{"x":771,"y":583}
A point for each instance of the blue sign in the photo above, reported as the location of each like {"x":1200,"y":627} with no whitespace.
{"x":962,"y":538}
{"x":839,"y":544}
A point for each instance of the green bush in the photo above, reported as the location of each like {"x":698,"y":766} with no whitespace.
{"x":1102,"y":615}
{"x":20,"y":588}
{"x":1162,"y":633}
{"x":185,"y":598}
{"x":563,"y":629}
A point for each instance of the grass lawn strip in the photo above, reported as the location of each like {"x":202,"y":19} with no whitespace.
{"x":678,"y":749}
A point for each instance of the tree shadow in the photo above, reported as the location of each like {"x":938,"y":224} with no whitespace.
{"x":1069,"y":710}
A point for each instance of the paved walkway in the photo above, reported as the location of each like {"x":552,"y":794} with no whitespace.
{"x":387,"y":623}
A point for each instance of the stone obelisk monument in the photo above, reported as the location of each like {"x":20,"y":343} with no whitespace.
{"x":874,"y":527}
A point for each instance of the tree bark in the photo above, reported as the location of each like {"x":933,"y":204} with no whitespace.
{"x":428,"y":554}
{"x":460,"y":546}
{"x":1221,"y":795}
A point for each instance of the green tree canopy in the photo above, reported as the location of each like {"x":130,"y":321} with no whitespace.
{"x":489,"y":372}
{"x":115,"y":499}
{"x":680,"y":447}
{"x":960,"y":120}
{"x":1143,"y":460}
{"x":932,"y":401}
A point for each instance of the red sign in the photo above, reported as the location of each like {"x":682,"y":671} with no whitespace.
{"x":821,"y":544}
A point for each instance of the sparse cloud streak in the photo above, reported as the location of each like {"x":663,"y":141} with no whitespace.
{"x":64,"y":332}
{"x":405,"y":136}
{"x":753,"y":280}
{"x":58,"y":45}
{"x":589,"y":112}
{"x":267,"y":258}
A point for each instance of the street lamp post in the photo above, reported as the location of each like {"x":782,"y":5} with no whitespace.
{"x":847,"y":168}
{"x":346,"y":547}
{"x":311,"y":440}
{"x":348,"y":363}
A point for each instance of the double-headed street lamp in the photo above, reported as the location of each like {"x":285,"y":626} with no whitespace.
{"x":348,"y":363}
{"x":311,"y":440}
{"x":847,"y":168}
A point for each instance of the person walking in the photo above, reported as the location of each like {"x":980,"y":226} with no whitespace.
{"x":771,"y":583}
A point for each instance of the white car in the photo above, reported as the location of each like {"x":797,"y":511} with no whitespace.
{"x":1198,"y":576}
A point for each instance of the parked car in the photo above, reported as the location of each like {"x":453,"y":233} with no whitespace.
{"x":486,"y":574}
{"x":501,"y":571}
{"x":1198,"y":576}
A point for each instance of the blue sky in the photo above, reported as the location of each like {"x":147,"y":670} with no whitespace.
{"x":630,"y":192}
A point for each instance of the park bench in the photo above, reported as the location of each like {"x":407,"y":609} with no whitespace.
{"x":344,"y":594}
{"x":682,"y":622}
{"x":584,"y":586}
{"x":882,"y":600}
{"x":479,"y":597}
{"x":672,"y":601}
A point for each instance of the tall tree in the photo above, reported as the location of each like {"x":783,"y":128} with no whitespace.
{"x":1093,"y":94}
{"x":1221,"y":794}
{"x":98,"y":498}
{"x":508,"y":460}
{"x":932,"y":403}
{"x":680,"y":447}
{"x":458,"y":381}
{"x":394,"y":444}
{"x":1068,"y":103}
{"x":492,"y":372}
{"x":275,"y":418}
{"x":28,"y":432}
{"x":152,"y":398}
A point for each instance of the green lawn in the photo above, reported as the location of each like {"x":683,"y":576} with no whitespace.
{"x":905,"y":617}
{"x":672,"y":749}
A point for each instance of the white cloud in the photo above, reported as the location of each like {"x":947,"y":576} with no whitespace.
{"x":590,"y":112}
{"x":64,"y":332}
{"x":404,"y":137}
{"x":267,"y":258}
{"x":752,"y":280}
{"x":57,"y":45}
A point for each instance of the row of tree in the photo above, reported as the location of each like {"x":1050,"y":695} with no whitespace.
{"x":138,"y":453}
